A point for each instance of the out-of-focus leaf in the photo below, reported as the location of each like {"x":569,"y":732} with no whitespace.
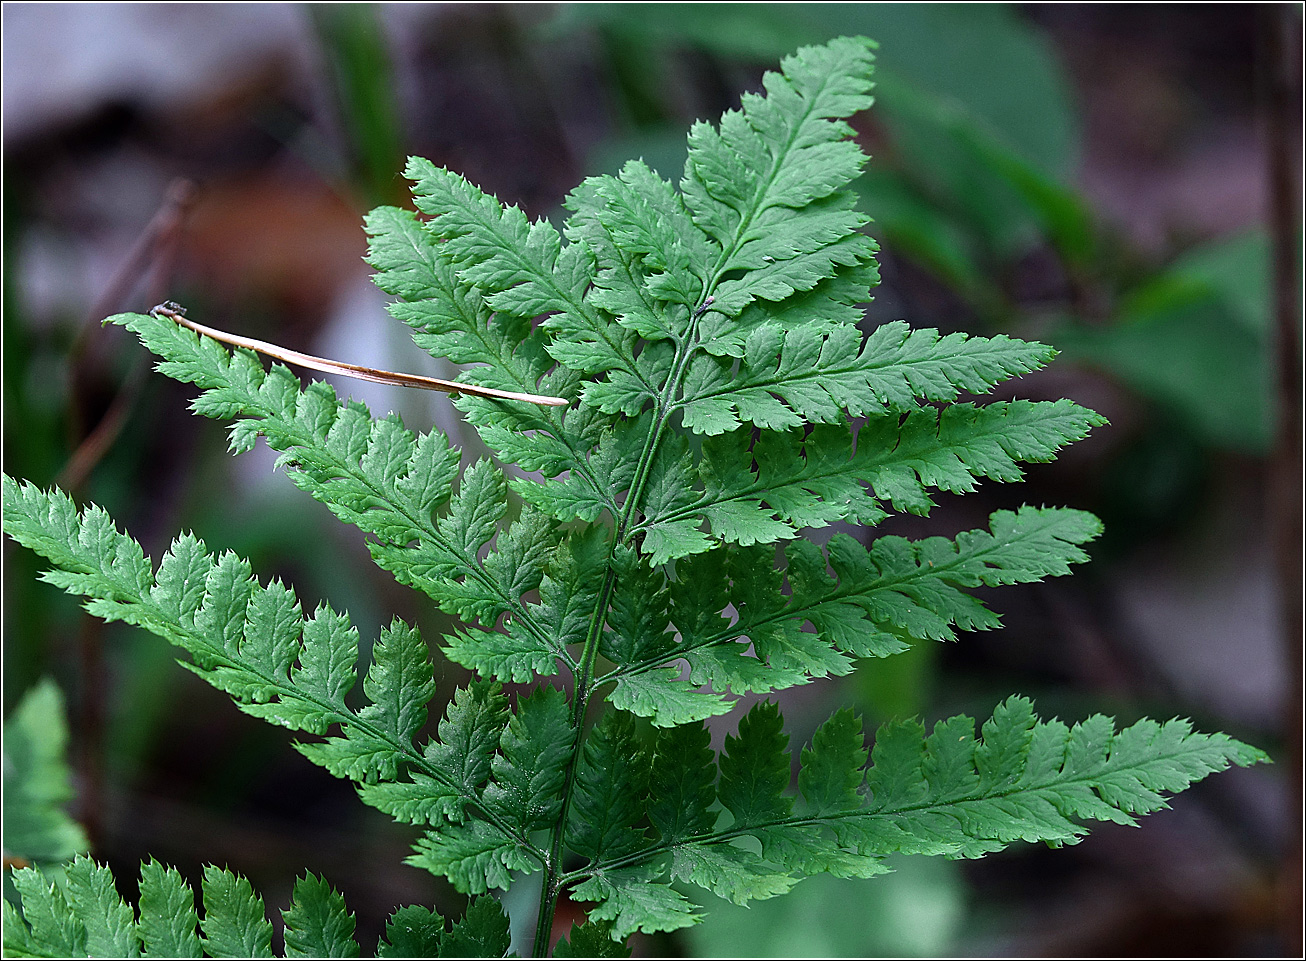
{"x":908,"y":223}
{"x":916,"y":911}
{"x":976,"y":104}
{"x":1196,"y":338}
{"x":37,"y":781}
{"x":748,"y":31}
{"x":354,"y":47}
{"x":971,"y":170}
{"x":1237,"y":271}
{"x":985,"y":59}
{"x":982,"y":57}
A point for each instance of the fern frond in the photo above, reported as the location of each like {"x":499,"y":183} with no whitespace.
{"x":648,"y":547}
{"x":795,"y":376}
{"x":373,"y":474}
{"x":820,"y":479}
{"x":947,"y":793}
{"x":253,"y":642}
{"x":84,"y":916}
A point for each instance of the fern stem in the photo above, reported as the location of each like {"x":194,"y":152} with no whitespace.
{"x":551,"y":884}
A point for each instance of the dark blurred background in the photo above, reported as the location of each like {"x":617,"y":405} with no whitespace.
{"x":1121,"y":181}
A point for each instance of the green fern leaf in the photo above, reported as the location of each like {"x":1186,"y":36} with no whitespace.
{"x":84,"y":916}
{"x":317,"y":922}
{"x":828,"y":779}
{"x":110,"y":924}
{"x":730,"y":872}
{"x":413,"y":931}
{"x":755,"y":768}
{"x":819,"y":480}
{"x":419,"y":932}
{"x":946,"y":793}
{"x":901,"y":590}
{"x":793,"y":376}
{"x":399,"y":683}
{"x":168,"y":921}
{"x":476,"y":858}
{"x":48,"y":927}
{"x":667,"y":698}
{"x":633,"y":901}
{"x":529,"y":772}
{"x":451,"y":319}
{"x":482,"y":932}
{"x":783,"y":150}
{"x":610,"y":786}
{"x":373,"y":474}
{"x":234,"y":924}
{"x":590,"y":940}
{"x":468,"y":737}
{"x":682,"y":781}
{"x":233,"y":651}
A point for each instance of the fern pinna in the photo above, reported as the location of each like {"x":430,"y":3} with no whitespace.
{"x":723,"y":400}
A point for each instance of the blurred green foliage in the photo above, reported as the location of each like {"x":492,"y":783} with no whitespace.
{"x":917,"y":911}
{"x":1195,"y":338}
{"x":38,"y":782}
{"x":357,"y":56}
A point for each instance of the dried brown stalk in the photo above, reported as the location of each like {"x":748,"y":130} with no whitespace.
{"x":176,"y":312}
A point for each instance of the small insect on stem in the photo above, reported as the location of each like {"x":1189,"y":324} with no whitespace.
{"x":703,"y":309}
{"x":174,"y":311}
{"x":169,"y":308}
